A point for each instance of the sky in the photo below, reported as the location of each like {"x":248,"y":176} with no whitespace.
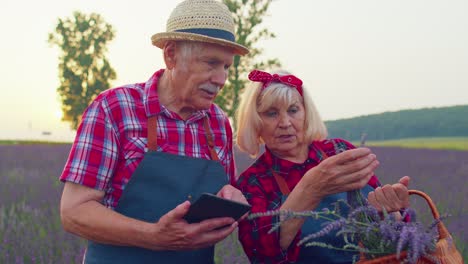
{"x":355,"y":57}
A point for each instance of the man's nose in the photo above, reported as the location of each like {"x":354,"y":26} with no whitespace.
{"x":219,"y":77}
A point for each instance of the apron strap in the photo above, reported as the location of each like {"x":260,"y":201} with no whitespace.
{"x":153,"y":137}
{"x":209,"y":138}
{"x":152,"y":133}
{"x":282,"y":183}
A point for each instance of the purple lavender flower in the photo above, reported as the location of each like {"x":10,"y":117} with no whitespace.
{"x":334,"y":225}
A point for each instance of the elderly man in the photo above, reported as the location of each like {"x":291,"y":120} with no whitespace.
{"x":143,"y":150}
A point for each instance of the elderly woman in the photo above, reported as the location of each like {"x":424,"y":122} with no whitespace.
{"x":299,"y":170}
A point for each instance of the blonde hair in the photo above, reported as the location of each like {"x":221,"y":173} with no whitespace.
{"x":255,"y":100}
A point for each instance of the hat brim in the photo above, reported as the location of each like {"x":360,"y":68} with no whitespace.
{"x":160,"y":39}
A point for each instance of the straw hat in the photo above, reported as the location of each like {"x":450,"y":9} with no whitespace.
{"x":200,"y":20}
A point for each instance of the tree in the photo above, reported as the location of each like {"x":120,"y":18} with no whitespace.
{"x":84,"y":70}
{"x":247,"y":16}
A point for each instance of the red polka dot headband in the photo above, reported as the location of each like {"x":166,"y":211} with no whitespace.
{"x":267,"y":78}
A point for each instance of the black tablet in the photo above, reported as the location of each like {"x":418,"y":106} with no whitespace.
{"x":211,"y":206}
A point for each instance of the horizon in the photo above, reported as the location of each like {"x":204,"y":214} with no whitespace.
{"x":47,"y":136}
{"x":356,"y":58}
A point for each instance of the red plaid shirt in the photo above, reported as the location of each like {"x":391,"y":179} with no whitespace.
{"x":111,"y":139}
{"x":262,"y":192}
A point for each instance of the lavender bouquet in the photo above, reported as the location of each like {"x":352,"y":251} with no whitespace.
{"x":367,"y":232}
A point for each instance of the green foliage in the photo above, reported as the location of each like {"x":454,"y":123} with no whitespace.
{"x":426,"y":122}
{"x":450,"y":143}
{"x":84,"y":70}
{"x":248,"y":15}
{"x":30,"y":142}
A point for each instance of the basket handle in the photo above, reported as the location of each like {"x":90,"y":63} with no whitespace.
{"x":443,"y":232}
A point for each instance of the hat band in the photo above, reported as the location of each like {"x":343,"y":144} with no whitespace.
{"x":210,"y":32}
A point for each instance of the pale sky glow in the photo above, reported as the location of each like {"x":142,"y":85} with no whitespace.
{"x":355,"y":57}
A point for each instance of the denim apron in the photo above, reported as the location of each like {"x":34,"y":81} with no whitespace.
{"x":160,"y":183}
{"x":314,"y":254}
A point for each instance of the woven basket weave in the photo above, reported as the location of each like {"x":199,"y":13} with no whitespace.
{"x":445,"y":251}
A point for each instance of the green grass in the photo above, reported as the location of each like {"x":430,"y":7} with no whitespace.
{"x":30,"y":142}
{"x":451,"y":143}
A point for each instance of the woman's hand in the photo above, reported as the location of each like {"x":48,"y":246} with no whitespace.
{"x":391,"y":197}
{"x":349,"y":170}
{"x":343,"y":172}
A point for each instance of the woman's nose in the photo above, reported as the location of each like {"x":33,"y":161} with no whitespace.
{"x":284,"y":121}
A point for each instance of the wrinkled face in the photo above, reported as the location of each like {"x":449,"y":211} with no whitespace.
{"x":199,"y":76}
{"x":283,"y":126}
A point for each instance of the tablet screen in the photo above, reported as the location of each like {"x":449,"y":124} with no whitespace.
{"x":211,"y":206}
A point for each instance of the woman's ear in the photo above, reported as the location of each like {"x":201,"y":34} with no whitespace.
{"x":169,"y":52}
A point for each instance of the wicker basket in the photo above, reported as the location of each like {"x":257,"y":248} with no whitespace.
{"x":445,"y":251}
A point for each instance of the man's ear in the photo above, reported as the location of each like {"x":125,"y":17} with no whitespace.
{"x":169,"y":52}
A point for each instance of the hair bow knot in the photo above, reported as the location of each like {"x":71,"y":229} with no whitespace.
{"x":267,"y":78}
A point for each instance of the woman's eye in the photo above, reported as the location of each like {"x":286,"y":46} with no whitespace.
{"x":293,"y":110}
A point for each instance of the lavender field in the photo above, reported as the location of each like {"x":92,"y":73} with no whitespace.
{"x":30,"y":230}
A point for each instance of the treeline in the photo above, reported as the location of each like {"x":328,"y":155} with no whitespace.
{"x":425,"y":122}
